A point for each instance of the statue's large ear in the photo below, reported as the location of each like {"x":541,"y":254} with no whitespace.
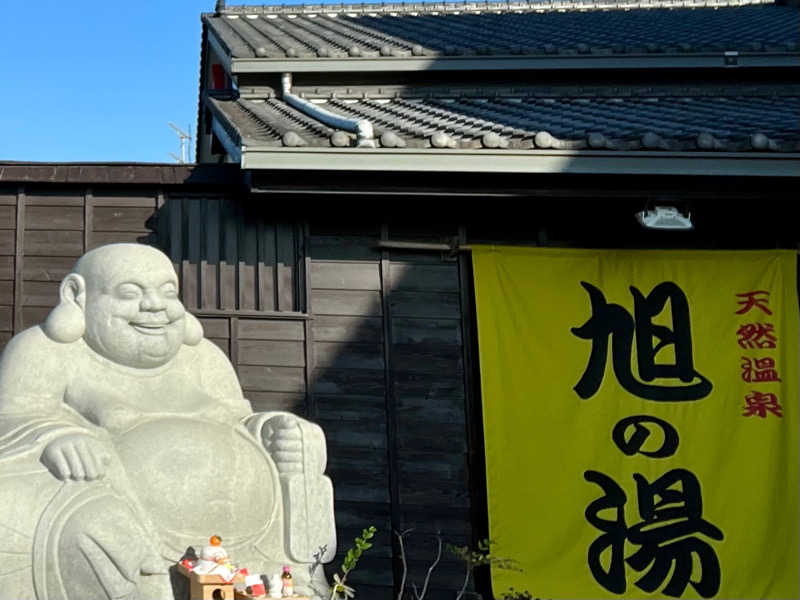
{"x":194,"y":330}
{"x":66,"y":322}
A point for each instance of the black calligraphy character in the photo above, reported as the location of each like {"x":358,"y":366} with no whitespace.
{"x":666,"y":536}
{"x":633,"y":444}
{"x":671,"y":518}
{"x":613,"y":320}
{"x":614,"y":534}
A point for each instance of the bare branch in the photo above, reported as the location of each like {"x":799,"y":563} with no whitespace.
{"x":400,"y":536}
{"x":433,"y":565}
{"x":321,"y":550}
{"x":466,"y":580}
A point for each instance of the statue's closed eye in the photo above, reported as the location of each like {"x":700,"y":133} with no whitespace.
{"x":128,"y":291}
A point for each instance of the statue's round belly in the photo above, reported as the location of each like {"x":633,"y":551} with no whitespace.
{"x":197,"y":478}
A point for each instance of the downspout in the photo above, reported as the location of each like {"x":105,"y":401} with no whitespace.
{"x":365,"y":133}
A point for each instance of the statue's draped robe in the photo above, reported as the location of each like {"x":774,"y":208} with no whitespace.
{"x":187,"y":457}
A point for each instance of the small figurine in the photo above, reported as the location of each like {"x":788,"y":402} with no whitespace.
{"x":275,"y":586}
{"x":214,"y":560}
{"x":254,"y":586}
{"x":287,"y":588}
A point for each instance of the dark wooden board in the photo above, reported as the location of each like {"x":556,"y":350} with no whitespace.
{"x":8,"y":197}
{"x":213,"y":327}
{"x":426,"y":305}
{"x":54,"y":198}
{"x":339,"y":247}
{"x":427,"y":358}
{"x":40,"y":293}
{"x":345,"y":276}
{"x":421,"y":466}
{"x":407,"y":330}
{"x":6,"y":267}
{"x":209,"y":262}
{"x":120,"y":199}
{"x":101,"y":238}
{"x":425,"y":278}
{"x":265,"y":329}
{"x":5,"y":337}
{"x":222,"y":343}
{"x":266,"y":401}
{"x":329,"y":302}
{"x":7,"y":237}
{"x":357,"y":516}
{"x":46,"y":268}
{"x":437,"y":437}
{"x":7,"y":293}
{"x":412,"y":411}
{"x":347,"y":329}
{"x":272,"y":379}
{"x":228,"y":286}
{"x":339,"y":355}
{"x":248,"y":266}
{"x":8,"y":217}
{"x":121,"y":218}
{"x":450,"y":520}
{"x":350,"y":411}
{"x":409,"y":384}
{"x":190,"y":265}
{"x":34,"y":315}
{"x":360,"y":382}
{"x":285,"y":266}
{"x":54,"y":217}
{"x":369,"y":439}
{"x":6,"y":318}
{"x":358,"y":490}
{"x":272,"y":353}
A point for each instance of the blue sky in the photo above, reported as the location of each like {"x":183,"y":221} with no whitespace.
{"x":97,"y":80}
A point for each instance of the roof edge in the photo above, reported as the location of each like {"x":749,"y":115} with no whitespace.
{"x":467,"y":6}
{"x":723,"y":59}
{"x":553,"y":161}
{"x":136,"y":173}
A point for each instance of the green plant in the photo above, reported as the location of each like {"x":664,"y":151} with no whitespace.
{"x":478,"y":558}
{"x":361,"y":543}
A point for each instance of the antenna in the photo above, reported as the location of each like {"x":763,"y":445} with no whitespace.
{"x":183,"y":138}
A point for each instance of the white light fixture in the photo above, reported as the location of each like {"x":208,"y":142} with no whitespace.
{"x":665,"y":217}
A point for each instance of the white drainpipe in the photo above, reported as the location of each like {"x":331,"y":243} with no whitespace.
{"x":365,"y":133}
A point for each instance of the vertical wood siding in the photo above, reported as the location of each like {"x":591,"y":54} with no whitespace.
{"x":374,"y":353}
{"x":231,"y":256}
{"x":389,"y":382}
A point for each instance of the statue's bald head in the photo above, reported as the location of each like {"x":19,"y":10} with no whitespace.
{"x":107,"y":264}
{"x":123,"y":300}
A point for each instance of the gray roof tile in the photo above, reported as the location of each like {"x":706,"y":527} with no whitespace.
{"x":700,"y":118}
{"x":415,"y":30}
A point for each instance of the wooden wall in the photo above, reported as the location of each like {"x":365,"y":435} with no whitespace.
{"x":369,"y":344}
{"x":389,"y":389}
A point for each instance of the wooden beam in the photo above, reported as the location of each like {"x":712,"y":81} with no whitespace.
{"x":312,"y":409}
{"x":391,"y":407}
{"x":88,"y":218}
{"x":19,"y":259}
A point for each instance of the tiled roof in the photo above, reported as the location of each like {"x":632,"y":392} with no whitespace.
{"x":741,"y":119}
{"x":556,"y":27}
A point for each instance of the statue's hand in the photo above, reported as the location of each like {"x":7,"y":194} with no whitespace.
{"x":284,"y":442}
{"x":76,"y":456}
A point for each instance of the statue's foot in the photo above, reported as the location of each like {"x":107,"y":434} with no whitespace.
{"x":96,"y":548}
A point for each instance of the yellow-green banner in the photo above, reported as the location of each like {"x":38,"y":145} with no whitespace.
{"x":640,"y":411}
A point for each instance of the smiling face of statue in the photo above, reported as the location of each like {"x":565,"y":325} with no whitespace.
{"x":133,"y":314}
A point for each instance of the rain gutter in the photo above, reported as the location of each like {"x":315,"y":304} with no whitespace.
{"x":365,"y":132}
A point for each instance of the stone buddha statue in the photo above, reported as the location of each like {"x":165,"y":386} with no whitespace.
{"x":125,"y":440}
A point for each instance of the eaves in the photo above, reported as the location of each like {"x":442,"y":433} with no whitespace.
{"x":238,"y":66}
{"x":586,"y":162}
